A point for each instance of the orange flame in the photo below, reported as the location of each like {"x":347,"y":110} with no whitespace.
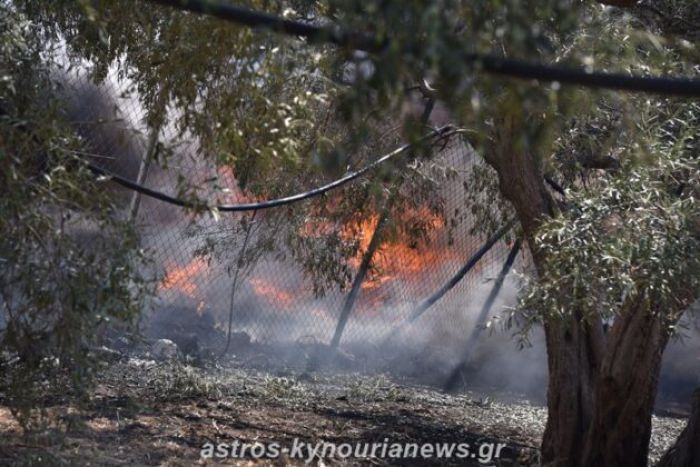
{"x":272,"y":294}
{"x":401,"y":258}
{"x":183,"y":278}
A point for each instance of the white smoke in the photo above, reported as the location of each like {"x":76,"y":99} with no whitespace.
{"x":427,"y":351}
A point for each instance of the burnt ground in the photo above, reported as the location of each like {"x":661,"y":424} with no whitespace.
{"x":144,"y":412}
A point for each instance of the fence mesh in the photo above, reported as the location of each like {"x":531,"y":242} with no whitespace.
{"x":274,"y":300}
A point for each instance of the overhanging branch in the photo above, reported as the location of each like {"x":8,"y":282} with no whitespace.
{"x":488,"y":63}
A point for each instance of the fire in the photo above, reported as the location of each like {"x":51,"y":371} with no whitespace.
{"x":183,"y":278}
{"x":272,"y":294}
{"x":399,"y":259}
{"x":412,"y":261}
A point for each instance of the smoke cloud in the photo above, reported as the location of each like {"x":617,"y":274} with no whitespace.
{"x":275,"y":306}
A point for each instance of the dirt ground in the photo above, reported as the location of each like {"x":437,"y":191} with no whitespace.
{"x":147,"y":413}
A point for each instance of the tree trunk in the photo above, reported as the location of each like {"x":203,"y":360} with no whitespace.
{"x":573,"y":349}
{"x":573,"y":355}
{"x":601,"y":388}
{"x":686,"y":451}
{"x":624,"y":395}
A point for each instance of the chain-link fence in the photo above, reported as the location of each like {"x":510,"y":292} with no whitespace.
{"x":274,"y":299}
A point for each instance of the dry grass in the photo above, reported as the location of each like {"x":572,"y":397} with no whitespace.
{"x":144,"y":413}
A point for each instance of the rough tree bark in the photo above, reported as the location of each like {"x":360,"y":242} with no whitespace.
{"x":623,"y":399}
{"x":686,"y":451}
{"x":601,"y":387}
{"x":573,"y":349}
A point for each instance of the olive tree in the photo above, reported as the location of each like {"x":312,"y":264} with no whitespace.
{"x":68,"y":266}
{"x":613,"y":256}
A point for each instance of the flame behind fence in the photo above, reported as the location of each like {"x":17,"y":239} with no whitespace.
{"x":275,"y":300}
